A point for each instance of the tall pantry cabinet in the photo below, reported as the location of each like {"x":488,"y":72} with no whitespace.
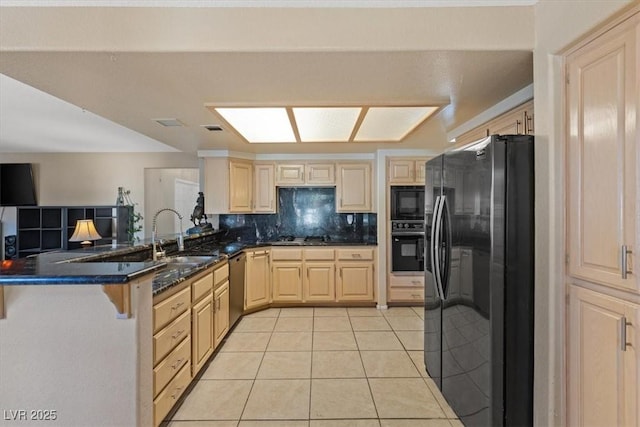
{"x":603,"y":324}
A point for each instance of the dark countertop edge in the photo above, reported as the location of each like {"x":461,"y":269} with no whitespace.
{"x":87,"y":279}
{"x":241,"y":246}
{"x":199,"y":269}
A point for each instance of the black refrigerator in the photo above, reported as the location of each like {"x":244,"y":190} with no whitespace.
{"x":478,"y":334}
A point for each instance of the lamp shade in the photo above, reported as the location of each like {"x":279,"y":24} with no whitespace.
{"x":85,"y":232}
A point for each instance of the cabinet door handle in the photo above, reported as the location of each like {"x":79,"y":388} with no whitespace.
{"x":623,"y":261}
{"x":517,"y":127}
{"x":177,"y":364}
{"x":177,"y":334}
{"x":174,"y":396}
{"x":623,"y":334}
{"x":218,"y":304}
{"x":528,"y":123}
{"x":177,"y":306}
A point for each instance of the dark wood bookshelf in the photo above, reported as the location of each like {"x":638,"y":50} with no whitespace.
{"x":48,"y":228}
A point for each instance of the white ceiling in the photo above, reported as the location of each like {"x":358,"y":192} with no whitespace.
{"x":112,"y":94}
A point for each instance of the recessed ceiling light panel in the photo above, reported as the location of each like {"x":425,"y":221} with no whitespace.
{"x":391,"y":123}
{"x":326,"y":124}
{"x":260,"y":125}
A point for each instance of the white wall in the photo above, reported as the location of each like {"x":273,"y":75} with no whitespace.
{"x":557,"y":24}
{"x":91,"y":179}
{"x":159,"y":185}
{"x":63,"y":349}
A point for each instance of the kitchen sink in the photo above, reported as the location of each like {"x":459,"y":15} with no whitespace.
{"x":189,"y":259}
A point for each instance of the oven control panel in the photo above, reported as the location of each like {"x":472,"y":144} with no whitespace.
{"x":407,"y":226}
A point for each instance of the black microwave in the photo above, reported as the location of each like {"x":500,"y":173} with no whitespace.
{"x":407,"y":203}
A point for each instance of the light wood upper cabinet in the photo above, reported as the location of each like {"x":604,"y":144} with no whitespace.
{"x":321,"y":173}
{"x":603,"y":361}
{"x":353,"y":190}
{"x":290,"y":174}
{"x":602,"y":101}
{"x":406,"y":171}
{"x":307,"y":173}
{"x":518,"y":121}
{"x":228,"y":185}
{"x":240,"y":186}
{"x":264,"y":188}
{"x":257,"y":279}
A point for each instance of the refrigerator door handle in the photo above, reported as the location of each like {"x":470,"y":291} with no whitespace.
{"x":436,"y":237}
{"x":445,"y":219}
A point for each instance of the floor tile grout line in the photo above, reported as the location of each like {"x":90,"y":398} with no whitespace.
{"x":253,"y":382}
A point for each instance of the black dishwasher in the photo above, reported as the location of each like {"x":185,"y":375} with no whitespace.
{"x":236,"y":287}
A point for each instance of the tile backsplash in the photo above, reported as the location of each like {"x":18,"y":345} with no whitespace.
{"x":304,"y":211}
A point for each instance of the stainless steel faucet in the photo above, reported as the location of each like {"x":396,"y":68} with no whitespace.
{"x":154,"y":232}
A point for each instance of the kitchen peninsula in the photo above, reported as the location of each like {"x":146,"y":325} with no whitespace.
{"x":76,"y":335}
{"x":81,"y":337}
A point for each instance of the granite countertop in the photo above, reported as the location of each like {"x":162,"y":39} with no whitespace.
{"x":95,"y":265}
{"x":41,"y":270}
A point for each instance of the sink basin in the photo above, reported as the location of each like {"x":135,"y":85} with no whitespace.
{"x":189,"y":259}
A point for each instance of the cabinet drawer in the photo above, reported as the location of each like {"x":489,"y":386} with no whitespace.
{"x":319,"y":254}
{"x":355,"y":254}
{"x":406,"y":281}
{"x":201,"y":286}
{"x":165,"y":401}
{"x":167,"y":310}
{"x":167,"y":369}
{"x":288,"y":254}
{"x":406,"y":294}
{"x":166,"y":340}
{"x":221,"y":274}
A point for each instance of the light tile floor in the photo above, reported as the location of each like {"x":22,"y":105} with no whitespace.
{"x":319,"y":367}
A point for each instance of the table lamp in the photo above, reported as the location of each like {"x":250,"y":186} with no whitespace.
{"x":85,"y":232}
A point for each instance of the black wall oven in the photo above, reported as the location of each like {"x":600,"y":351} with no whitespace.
{"x":407,"y":246}
{"x":407,"y":203}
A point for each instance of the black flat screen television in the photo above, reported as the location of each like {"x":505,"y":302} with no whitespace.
{"x":17,"y":187}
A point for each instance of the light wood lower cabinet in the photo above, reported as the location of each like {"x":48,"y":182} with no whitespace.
{"x":355,"y":268}
{"x":221,"y":308}
{"x":355,"y":281}
{"x":163,"y":403}
{"x":171,"y":348}
{"x":603,"y":360}
{"x":189,"y":321}
{"x":287,"y":281}
{"x":309,"y":274}
{"x":257,"y":279}
{"x":405,"y":288}
{"x":319,"y":282}
{"x":171,"y":365}
{"x":202,"y":331}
